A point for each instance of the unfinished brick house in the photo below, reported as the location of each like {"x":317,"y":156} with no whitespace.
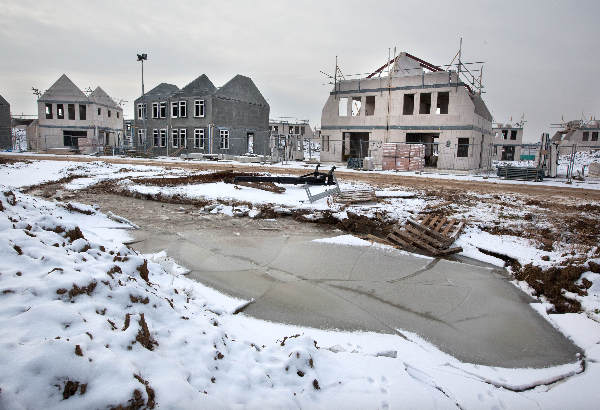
{"x":200,"y":118}
{"x":413,"y":102}
{"x":507,"y":141}
{"x":288,"y":137}
{"x":70,"y":120}
{"x":583,"y":134}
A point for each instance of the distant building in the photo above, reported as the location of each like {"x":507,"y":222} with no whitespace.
{"x":507,"y":141}
{"x":579,"y":133}
{"x":5,"y":125}
{"x":68,"y":119}
{"x":288,"y":139}
{"x":417,"y":102}
{"x":129,"y":134}
{"x":230,"y":120}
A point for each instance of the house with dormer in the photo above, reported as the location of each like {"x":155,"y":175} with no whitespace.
{"x":69,"y":120}
{"x":201,"y":118}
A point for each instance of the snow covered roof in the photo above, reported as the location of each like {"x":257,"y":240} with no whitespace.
{"x":63,"y":89}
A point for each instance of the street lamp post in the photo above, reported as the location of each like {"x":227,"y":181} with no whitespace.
{"x":142,"y":58}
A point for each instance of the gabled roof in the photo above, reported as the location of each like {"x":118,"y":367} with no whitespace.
{"x":63,"y":89}
{"x":163,"y":89}
{"x":241,"y":88}
{"x":101,"y":97}
{"x":3,"y":101}
{"x":200,"y":86}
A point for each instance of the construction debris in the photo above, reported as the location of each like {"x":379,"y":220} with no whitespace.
{"x":313,"y":178}
{"x":355,"y":196}
{"x":431,"y":235}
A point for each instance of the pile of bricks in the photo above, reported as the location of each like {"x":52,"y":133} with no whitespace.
{"x":403,"y":157}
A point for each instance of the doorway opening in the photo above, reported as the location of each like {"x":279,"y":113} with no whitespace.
{"x":250,"y":145}
{"x":431,"y":145}
{"x":71,"y":138}
{"x":508,"y":153}
{"x":355,"y":145}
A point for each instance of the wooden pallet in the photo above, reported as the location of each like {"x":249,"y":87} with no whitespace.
{"x":433,"y":235}
{"x":356,"y":196}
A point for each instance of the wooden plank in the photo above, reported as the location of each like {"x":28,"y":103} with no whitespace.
{"x":416,"y":242}
{"x":424,"y":237}
{"x":433,"y":221}
{"x":449,"y":251}
{"x":425,"y":219}
{"x":439,"y":226}
{"x":459,"y":228}
{"x":400,"y":242}
{"x":378,"y":239}
{"x":431,"y":232}
{"x":451,"y":222}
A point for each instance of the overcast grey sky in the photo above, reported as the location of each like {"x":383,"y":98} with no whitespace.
{"x":542,"y":57}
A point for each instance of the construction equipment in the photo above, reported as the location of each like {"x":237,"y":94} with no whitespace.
{"x":313,"y":178}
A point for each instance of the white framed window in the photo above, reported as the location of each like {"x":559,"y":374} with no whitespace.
{"x":163,"y":137}
{"x":141,"y":110}
{"x":183,"y":137}
{"x":155,"y":110}
{"x":141,"y":136}
{"x":163,"y":109}
{"x":155,"y":137}
{"x":174,"y":109}
{"x":199,"y":108}
{"x":174,"y":138}
{"x":199,"y":138}
{"x":183,"y":109}
{"x":224,"y":139}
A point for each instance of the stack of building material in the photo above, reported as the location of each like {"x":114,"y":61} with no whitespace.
{"x":356,"y":196}
{"x":433,"y":235}
{"x":524,"y":173}
{"x":403,"y":157}
{"x":389,"y":156}
{"x":417,"y":157}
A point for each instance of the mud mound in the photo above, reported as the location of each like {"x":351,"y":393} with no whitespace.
{"x":9,"y":161}
{"x":53,"y":184}
{"x":221,"y":176}
{"x":552,"y":283}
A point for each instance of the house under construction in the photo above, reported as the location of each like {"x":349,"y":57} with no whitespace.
{"x":409,"y":100}
{"x":579,"y":133}
{"x":288,"y":137}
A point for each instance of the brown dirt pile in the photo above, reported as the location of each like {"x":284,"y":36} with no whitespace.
{"x":552,"y":283}
{"x":144,"y":337}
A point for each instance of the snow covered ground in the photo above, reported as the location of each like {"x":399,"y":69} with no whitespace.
{"x":92,"y":322}
{"x":483,"y":176}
